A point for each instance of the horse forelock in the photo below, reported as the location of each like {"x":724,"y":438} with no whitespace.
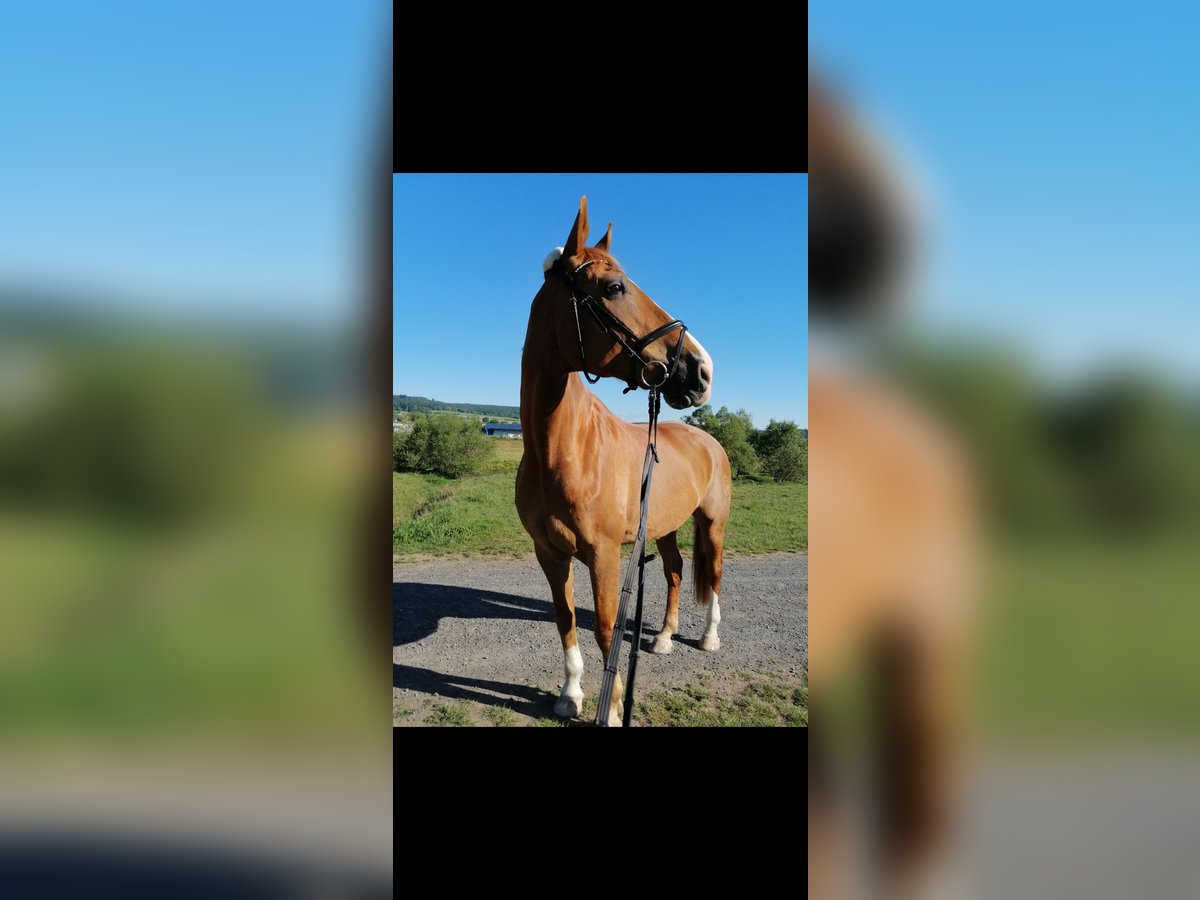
{"x":592,"y":254}
{"x":587,"y":254}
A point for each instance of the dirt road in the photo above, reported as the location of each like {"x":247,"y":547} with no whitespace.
{"x":483,"y":631}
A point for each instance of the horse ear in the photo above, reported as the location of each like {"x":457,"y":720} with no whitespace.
{"x":602,"y":244}
{"x":579,"y":231}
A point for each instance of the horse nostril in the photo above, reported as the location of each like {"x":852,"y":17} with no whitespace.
{"x":706,"y":374}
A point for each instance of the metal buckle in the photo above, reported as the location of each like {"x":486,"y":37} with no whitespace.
{"x":646,"y":383}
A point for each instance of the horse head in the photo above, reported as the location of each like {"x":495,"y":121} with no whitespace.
{"x":616,"y":330}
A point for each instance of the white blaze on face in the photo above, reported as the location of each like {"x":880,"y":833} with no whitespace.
{"x":706,"y":367}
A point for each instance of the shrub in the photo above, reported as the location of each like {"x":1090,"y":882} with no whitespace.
{"x":782,"y":450}
{"x":732,"y":431}
{"x":443,"y":445}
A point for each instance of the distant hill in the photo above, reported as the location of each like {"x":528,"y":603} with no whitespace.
{"x":405,"y":403}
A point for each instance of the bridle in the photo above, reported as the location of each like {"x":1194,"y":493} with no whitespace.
{"x":614,"y":326}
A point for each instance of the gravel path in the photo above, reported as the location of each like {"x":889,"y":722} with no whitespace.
{"x":483,"y":631}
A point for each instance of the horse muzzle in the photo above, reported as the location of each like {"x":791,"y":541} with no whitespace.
{"x":691,"y":384}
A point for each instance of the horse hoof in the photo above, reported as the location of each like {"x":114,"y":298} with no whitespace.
{"x":710,"y":643}
{"x":568,"y":707}
{"x":662,"y":645}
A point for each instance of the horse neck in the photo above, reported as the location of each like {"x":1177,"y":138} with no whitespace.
{"x":555,"y":406}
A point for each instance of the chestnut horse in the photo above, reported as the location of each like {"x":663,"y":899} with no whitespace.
{"x":579,"y":481}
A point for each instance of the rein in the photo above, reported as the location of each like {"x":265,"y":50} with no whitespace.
{"x":638,"y":564}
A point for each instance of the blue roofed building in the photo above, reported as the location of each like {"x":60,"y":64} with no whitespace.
{"x":502,"y":430}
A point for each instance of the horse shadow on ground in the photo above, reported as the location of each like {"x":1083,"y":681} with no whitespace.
{"x":418,"y":608}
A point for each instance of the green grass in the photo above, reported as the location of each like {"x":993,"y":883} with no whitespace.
{"x":477,"y":515}
{"x":763,"y":518}
{"x":501,"y":716}
{"x":760,"y":703}
{"x":409,"y":493}
{"x":401,"y":712}
{"x":550,"y":722}
{"x":449,"y":714}
{"x":474,"y":515}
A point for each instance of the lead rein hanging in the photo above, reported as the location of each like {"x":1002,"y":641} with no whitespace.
{"x":638,"y":558}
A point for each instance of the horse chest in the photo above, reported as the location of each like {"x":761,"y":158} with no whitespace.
{"x":573,"y":514}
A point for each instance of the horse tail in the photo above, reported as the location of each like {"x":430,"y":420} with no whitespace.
{"x":702,"y":561}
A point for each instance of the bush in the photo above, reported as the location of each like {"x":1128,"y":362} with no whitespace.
{"x":732,"y":431}
{"x":782,"y":450}
{"x":442,"y":445}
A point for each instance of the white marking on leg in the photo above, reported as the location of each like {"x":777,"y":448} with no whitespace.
{"x":616,"y":711}
{"x":710,"y":641}
{"x":662,"y":643}
{"x":570,"y":700}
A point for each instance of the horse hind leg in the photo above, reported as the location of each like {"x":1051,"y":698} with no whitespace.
{"x":668,"y":550}
{"x":561,"y":577}
{"x":706,"y":575}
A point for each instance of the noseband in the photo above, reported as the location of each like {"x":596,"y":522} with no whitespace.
{"x":614,"y":326}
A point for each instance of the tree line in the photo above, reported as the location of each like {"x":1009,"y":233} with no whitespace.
{"x":405,"y":403}
{"x":453,"y":446}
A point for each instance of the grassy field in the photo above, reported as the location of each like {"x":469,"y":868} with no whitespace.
{"x":755,"y":701}
{"x":476,"y":515}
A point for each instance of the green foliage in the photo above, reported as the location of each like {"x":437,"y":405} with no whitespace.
{"x":442,"y":445}
{"x":501,"y":716}
{"x":403,"y":402}
{"x":399,"y":439}
{"x":732,"y":431}
{"x":782,"y":450}
{"x":778,"y":452}
{"x":452,"y":715}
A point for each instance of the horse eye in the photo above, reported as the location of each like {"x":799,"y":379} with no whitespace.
{"x":616,"y":288}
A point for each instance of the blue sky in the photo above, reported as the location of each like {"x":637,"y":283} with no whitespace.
{"x":201,"y":156}
{"x":727,"y":254}
{"x":1057,"y":146}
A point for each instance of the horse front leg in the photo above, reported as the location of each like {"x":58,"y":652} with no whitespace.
{"x":561,"y":577}
{"x":605,"y":569}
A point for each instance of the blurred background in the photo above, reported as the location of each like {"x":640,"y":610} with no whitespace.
{"x":195,"y":212}
{"x":1026,"y":282}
